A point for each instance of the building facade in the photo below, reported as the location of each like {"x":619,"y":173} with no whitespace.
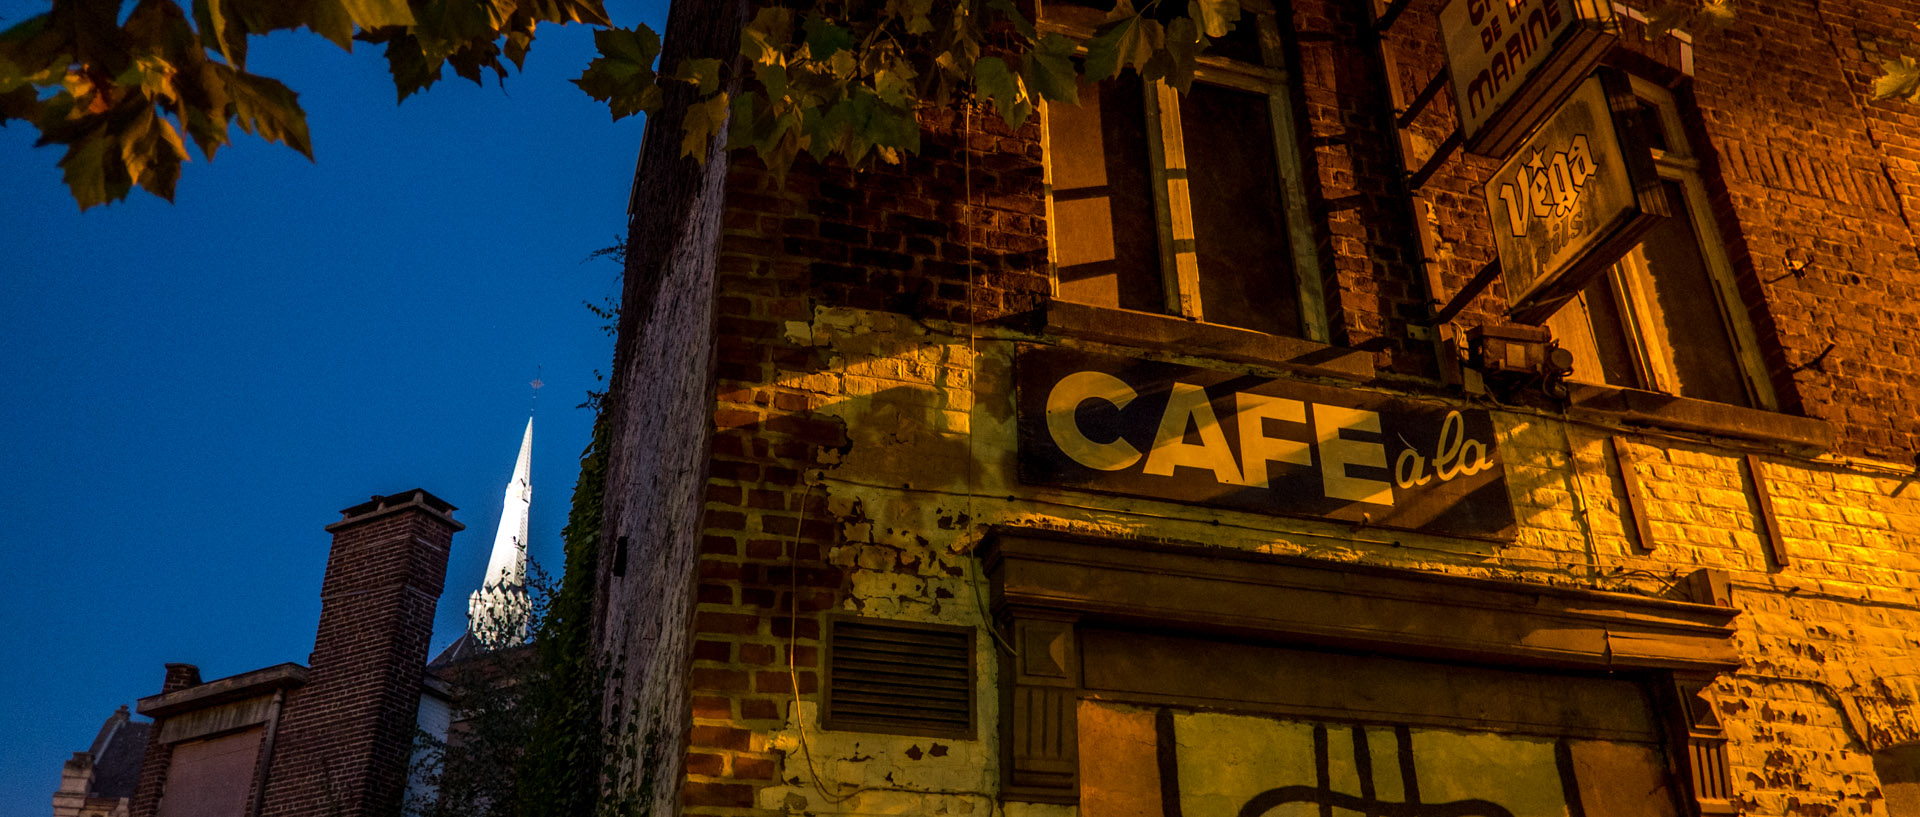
{"x":1145,"y":460}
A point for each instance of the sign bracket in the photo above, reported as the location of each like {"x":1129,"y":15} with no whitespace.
{"x":1472,"y":289}
{"x":1424,"y":98}
{"x":1418,"y":178}
{"x":1392,"y":12}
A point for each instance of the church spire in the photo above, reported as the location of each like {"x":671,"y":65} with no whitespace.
{"x":497,"y":613}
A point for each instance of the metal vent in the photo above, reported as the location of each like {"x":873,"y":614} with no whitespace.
{"x":899,"y":678}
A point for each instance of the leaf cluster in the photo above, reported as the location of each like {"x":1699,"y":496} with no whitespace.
{"x":123,"y":93}
{"x":124,"y":90}
{"x":848,"y":77}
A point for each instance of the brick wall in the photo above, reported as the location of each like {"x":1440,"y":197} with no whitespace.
{"x":862,"y":438}
{"x":347,"y":734}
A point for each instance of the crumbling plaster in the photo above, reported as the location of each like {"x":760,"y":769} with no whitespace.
{"x":1832,"y":640}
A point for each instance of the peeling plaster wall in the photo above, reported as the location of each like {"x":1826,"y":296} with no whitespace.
{"x":901,"y":505}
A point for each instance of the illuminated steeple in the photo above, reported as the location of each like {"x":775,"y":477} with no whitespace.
{"x":497,"y":613}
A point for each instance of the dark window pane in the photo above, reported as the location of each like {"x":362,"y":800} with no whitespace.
{"x":1242,"y":43}
{"x":1687,"y":318}
{"x":1240,"y":234}
{"x":1104,"y":230}
{"x":1645,"y":118}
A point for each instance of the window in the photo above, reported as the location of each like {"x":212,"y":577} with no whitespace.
{"x":1188,"y":205}
{"x":1668,"y":317}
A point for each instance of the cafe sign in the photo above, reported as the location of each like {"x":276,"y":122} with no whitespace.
{"x":1576,"y":196}
{"x":1185,"y":434}
{"x":1513,"y":60}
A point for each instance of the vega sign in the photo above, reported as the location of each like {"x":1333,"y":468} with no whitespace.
{"x":1185,"y":434}
{"x":1576,"y":196}
{"x":1512,"y":61}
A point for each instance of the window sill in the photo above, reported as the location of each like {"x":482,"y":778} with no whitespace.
{"x":1719,"y":419}
{"x":1145,"y":330}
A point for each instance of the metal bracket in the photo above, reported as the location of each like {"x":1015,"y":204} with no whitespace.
{"x":1392,"y":13}
{"x":1424,"y":98}
{"x":1475,"y":285}
{"x":1440,"y":156}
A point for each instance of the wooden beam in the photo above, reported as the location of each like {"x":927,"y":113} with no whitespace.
{"x":1776,"y":543}
{"x":1636,"y":492}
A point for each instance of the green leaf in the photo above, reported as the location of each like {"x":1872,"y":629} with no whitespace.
{"x":1902,"y":78}
{"x":265,"y":107}
{"x":919,"y":16}
{"x":407,"y":62}
{"x":894,"y":85}
{"x":218,"y":33}
{"x":765,"y":39}
{"x":591,"y":12}
{"x":622,"y":76}
{"x":473,"y":56}
{"x":1048,"y":69}
{"x":1183,"y":49}
{"x":377,"y":13}
{"x":329,"y":19}
{"x":151,"y":152}
{"x":1004,"y":89}
{"x":21,"y":103}
{"x":1012,"y":15}
{"x":703,"y":120}
{"x":1115,"y":45}
{"x":703,"y":73}
{"x":1216,"y":17}
{"x":519,"y":42}
{"x":92,"y":171}
{"x":824,"y":39}
{"x":772,"y":77}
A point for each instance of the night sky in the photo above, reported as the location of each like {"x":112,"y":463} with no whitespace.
{"x":195,"y":390}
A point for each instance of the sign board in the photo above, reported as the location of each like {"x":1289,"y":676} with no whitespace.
{"x":1512,"y":61}
{"x":1185,"y":434}
{"x":1576,"y":196}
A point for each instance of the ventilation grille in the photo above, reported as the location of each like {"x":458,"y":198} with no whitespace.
{"x":899,"y":678}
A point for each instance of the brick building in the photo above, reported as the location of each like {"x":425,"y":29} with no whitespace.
{"x":1134,"y":463}
{"x":334,"y":736}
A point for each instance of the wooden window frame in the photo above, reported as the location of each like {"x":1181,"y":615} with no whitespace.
{"x":1173,"y":208}
{"x":1047,"y":586}
{"x":1632,"y":283}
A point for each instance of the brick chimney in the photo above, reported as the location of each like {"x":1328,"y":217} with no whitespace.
{"x":158,"y":757}
{"x":349,"y":731}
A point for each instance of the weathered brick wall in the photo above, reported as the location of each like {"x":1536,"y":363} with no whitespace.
{"x":863,"y":437}
{"x":1822,"y":183}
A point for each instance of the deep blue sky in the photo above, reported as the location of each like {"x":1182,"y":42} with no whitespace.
{"x":194,"y":390}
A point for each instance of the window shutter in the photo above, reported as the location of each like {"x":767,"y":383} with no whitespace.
{"x":899,"y":678}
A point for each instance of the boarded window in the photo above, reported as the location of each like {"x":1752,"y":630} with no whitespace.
{"x":1276,"y":732}
{"x":210,"y":778}
{"x":1103,"y":199}
{"x":1239,"y":235}
{"x":1182,"y":203}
